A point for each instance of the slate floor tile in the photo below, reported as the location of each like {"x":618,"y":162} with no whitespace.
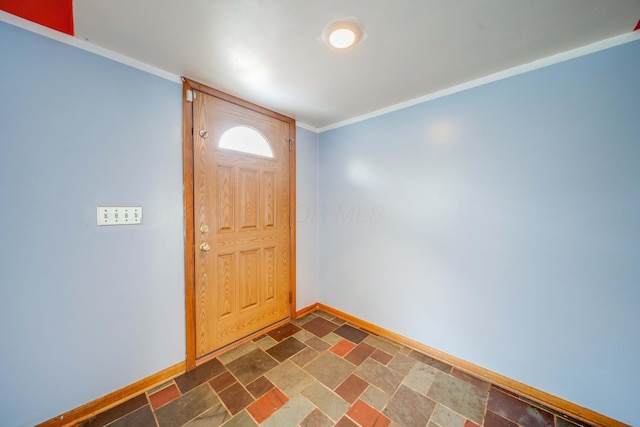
{"x":346,"y":422}
{"x":222,"y":381}
{"x":142,"y":417}
{"x":320,"y":370}
{"x":187,"y":407}
{"x":260,"y":386}
{"x":332,"y":338}
{"x":283,"y":331}
{"x":291,"y":413}
{"x":360,"y":353}
{"x":352,"y":388}
{"x":214,"y":417}
{"x":289,"y":378}
{"x":285,"y":349}
{"x":305,"y":356}
{"x":375,"y":397}
{"x":243,"y":419}
{"x":317,"y":344}
{"x":329,"y":369}
{"x":428,"y":360}
{"x":514,"y":409}
{"x":316,"y":419}
{"x":383,"y":344}
{"x":231,"y":355}
{"x":420,"y":377}
{"x":445,"y":417}
{"x":409,"y":408}
{"x":381,"y":356}
{"x":342,"y":347}
{"x":116,"y":412}
{"x":458,"y":395}
{"x":252,"y":365}
{"x":302,"y":335}
{"x":365,"y":415}
{"x":304,"y":319}
{"x":379,"y":375}
{"x":235,"y":398}
{"x":164,"y":396}
{"x":199,"y":375}
{"x":328,"y":402}
{"x":494,"y":420}
{"x":266,"y":342}
{"x":352,"y":334}
{"x":402,"y":364}
{"x":264,"y":407}
{"x":475,"y":381}
{"x":320,"y":326}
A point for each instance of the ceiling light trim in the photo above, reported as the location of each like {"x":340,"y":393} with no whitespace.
{"x":350,"y":24}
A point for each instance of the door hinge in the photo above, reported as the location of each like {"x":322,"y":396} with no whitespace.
{"x":290,"y":297}
{"x":191,"y":95}
{"x":290,"y":144}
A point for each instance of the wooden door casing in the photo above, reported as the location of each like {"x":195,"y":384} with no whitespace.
{"x":242,"y":208}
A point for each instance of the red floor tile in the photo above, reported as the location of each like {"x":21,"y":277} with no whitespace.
{"x":222,"y":381}
{"x":360,"y":353}
{"x":381,"y":356}
{"x":352,"y":388}
{"x":342,"y":347}
{"x":346,"y":422}
{"x":164,"y":396}
{"x":365,"y":415}
{"x":264,"y":407}
{"x":235,"y":398}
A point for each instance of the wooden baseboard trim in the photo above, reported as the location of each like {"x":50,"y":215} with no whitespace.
{"x":103,"y":403}
{"x":576,"y":411}
{"x":573,"y":410}
{"x":306,"y":310}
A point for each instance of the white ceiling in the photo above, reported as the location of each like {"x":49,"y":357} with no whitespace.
{"x":268,"y":51}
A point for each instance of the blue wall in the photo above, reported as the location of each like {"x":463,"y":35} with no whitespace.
{"x":87,"y":310}
{"x":500,"y":225}
{"x":307,"y":216}
{"x":84,"y":310}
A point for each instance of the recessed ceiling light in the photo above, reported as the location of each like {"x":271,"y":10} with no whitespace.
{"x":343,"y":33}
{"x":342,"y":38}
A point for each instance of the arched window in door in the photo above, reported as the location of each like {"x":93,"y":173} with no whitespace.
{"x":246,"y":140}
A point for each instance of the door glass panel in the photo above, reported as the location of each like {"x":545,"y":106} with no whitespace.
{"x":246,"y":140}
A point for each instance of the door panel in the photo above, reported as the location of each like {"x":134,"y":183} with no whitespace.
{"x":242,"y":226}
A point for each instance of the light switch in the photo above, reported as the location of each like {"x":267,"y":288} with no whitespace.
{"x":119,"y":215}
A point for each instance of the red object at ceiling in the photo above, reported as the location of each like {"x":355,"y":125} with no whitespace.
{"x":55,"y":14}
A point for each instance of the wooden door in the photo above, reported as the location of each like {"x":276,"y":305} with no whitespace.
{"x":242,"y":224}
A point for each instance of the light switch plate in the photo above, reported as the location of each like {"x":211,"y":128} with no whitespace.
{"x":119,"y":215}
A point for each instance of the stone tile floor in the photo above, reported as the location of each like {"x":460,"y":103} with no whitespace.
{"x":321,"y":371}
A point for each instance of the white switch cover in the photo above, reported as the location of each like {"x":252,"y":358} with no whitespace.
{"x":119,"y":215}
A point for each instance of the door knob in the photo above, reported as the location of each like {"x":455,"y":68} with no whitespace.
{"x":204,"y":247}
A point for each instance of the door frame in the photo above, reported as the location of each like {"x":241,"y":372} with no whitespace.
{"x":189,"y":225}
